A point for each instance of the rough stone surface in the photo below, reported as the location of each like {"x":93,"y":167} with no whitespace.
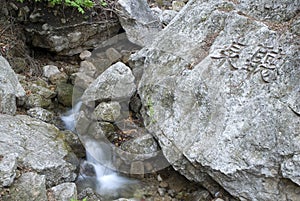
{"x":10,"y":88}
{"x":107,"y":111}
{"x":39,"y":147}
{"x":140,"y":24}
{"x":116,"y":83}
{"x":8,"y":166}
{"x":49,"y":70}
{"x":58,"y":77}
{"x":85,"y":54}
{"x":64,"y":192}
{"x":141,"y":145}
{"x":219,"y":91}
{"x":65,"y":94}
{"x":30,"y":186}
{"x":41,"y":114}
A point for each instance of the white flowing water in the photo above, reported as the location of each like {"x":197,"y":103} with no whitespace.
{"x":98,"y":155}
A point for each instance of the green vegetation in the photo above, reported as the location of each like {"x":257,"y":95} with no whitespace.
{"x":73,"y":199}
{"x":79,"y":4}
{"x":151,"y":111}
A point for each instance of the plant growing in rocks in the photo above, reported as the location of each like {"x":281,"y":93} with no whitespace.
{"x":79,"y":4}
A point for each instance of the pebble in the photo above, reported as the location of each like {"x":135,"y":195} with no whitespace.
{"x":159,"y":178}
{"x":163,"y":184}
{"x":161,"y":191}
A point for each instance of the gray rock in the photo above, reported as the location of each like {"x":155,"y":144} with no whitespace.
{"x":49,"y":70}
{"x":41,"y":114}
{"x":116,"y":83}
{"x":141,"y":145}
{"x":82,"y":80}
{"x":59,"y":77}
{"x":113,"y":55}
{"x":107,"y":111}
{"x":30,"y":186}
{"x":64,"y":192}
{"x":36,"y":100}
{"x":87,"y":68}
{"x":10,"y":88}
{"x":167,"y":16}
{"x":63,"y":40}
{"x":219,"y":90}
{"x":85,"y":54}
{"x":38,"y":146}
{"x":65,"y":94}
{"x":140,"y":24}
{"x":8,"y":166}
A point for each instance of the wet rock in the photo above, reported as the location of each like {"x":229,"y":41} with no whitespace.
{"x":10,"y":88}
{"x":116,"y":83}
{"x":219,"y":109}
{"x":30,"y":186}
{"x":85,"y":54}
{"x":65,"y":94}
{"x":38,"y":147}
{"x":8,"y":166}
{"x":64,"y":192}
{"x":49,"y":70}
{"x":138,"y":21}
{"x":81,"y":80}
{"x":41,"y":114}
{"x":89,"y":194}
{"x":107,"y":111}
{"x":74,"y":142}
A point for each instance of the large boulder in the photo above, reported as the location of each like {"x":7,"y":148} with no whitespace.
{"x":220,"y":91}
{"x":39,"y":148}
{"x":116,"y":83}
{"x":10,"y":88}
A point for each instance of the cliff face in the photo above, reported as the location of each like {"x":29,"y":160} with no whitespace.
{"x":223,"y":82}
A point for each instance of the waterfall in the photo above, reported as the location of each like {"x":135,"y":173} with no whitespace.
{"x":105,"y":181}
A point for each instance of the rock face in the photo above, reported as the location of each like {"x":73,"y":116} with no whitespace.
{"x":140,"y":24}
{"x":38,"y":146}
{"x":220,"y":91}
{"x":10,"y":88}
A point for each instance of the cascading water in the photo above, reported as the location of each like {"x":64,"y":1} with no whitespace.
{"x":96,"y":169}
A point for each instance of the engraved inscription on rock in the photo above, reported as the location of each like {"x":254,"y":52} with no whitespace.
{"x":259,"y":58}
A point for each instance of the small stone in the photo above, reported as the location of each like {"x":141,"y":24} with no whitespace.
{"x":163,"y":184}
{"x":161,"y":191}
{"x":85,"y":54}
{"x":50,"y":70}
{"x":87,"y":68}
{"x":113,"y":55}
{"x":159,"y":178}
{"x":177,"y":5}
